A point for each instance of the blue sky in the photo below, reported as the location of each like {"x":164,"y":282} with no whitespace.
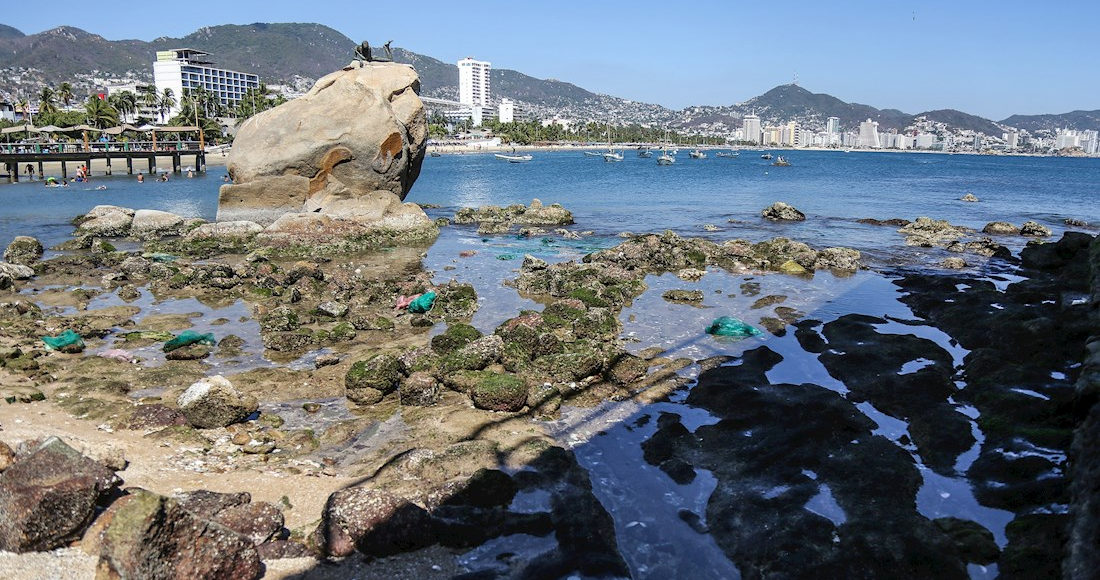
{"x":988,"y":58}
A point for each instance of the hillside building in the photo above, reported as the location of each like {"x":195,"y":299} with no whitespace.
{"x":868,"y":134}
{"x":473,"y":82}
{"x":506,"y":111}
{"x":750,"y":127}
{"x":183,"y":69}
{"x":832,"y":125}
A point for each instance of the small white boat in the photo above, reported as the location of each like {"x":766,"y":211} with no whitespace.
{"x":612,"y":156}
{"x":644,"y":153}
{"x":665,"y":159}
{"x":593,"y":154}
{"x":513,"y":158}
{"x":697,"y":154}
{"x":721,"y":154}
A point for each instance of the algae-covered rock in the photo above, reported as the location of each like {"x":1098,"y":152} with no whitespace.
{"x":780,"y":211}
{"x":420,"y":389}
{"x":455,"y":337}
{"x":499,"y":392}
{"x":368,"y":380}
{"x":23,"y":250}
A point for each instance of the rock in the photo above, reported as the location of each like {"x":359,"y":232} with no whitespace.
{"x":1000,"y":228}
{"x":155,"y":416}
{"x":927,"y":232}
{"x":896,"y":222}
{"x":239,"y":230}
{"x":455,"y":337}
{"x":189,"y":352}
{"x":49,"y":498}
{"x":280,"y":319}
{"x":953,"y":263}
{"x":213,"y":402}
{"x":373,"y":522}
{"x":535,"y":214}
{"x":208,"y":504}
{"x":151,"y":536}
{"x":983,"y":247}
{"x":367,"y":381}
{"x":690,"y":296}
{"x":152,"y":224}
{"x":7,"y":457}
{"x":970,"y":197}
{"x":258,"y":521}
{"x":838,"y":259}
{"x":1035,"y":230}
{"x":793,"y":268}
{"x":499,"y":392}
{"x":1075,"y":223}
{"x":23,"y":250}
{"x":627,"y":368}
{"x":419,"y":389}
{"x":280,"y":549}
{"x":16,"y":271}
{"x":6,"y":281}
{"x":533,"y":264}
{"x":975,"y":543}
{"x":780,"y":211}
{"x":109,"y":223}
{"x":691,"y":274}
{"x":21,"y":393}
{"x":358,"y":131}
{"x":711,"y":228}
{"x":395,"y":219}
{"x":475,"y":355}
{"x":333,"y":309}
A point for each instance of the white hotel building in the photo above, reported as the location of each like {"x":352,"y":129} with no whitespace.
{"x":473,"y":87}
{"x":183,"y":68}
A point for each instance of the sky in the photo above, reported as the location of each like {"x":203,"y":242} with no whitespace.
{"x":989,"y":58}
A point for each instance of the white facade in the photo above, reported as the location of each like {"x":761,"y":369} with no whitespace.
{"x":506,"y":112}
{"x":182,"y":68}
{"x":750,"y":126}
{"x":1066,"y":138}
{"x":868,"y":134}
{"x":832,"y":125}
{"x":925,"y":141}
{"x":473,"y":82}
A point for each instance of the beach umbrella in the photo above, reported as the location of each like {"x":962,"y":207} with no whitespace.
{"x":19,"y":129}
{"x":52,"y":129}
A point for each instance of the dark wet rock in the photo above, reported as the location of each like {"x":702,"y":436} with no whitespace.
{"x":279,"y":319}
{"x":368,"y":380}
{"x":372,"y":522}
{"x":475,"y":355}
{"x":970,"y":197}
{"x":455,"y":301}
{"x":982,"y":247}
{"x":485,"y":488}
{"x":498,"y":392}
{"x":1057,"y":255}
{"x":689,"y":296}
{"x":49,"y":497}
{"x":420,"y":389}
{"x":1035,"y":548}
{"x":213,"y":402}
{"x":1083,"y":546}
{"x":24,"y":251}
{"x":780,"y":211}
{"x":455,"y":337}
{"x":1000,"y":228}
{"x":282,"y":549}
{"x":767,"y":301}
{"x":7,"y":457}
{"x":155,"y":416}
{"x":332,"y":309}
{"x":895,"y":222}
{"x":1075,"y":222}
{"x":150,"y":536}
{"x":953,"y":263}
{"x":1034,"y":229}
{"x":1010,"y":477}
{"x":208,"y":504}
{"x":973,"y":541}
{"x":772,"y":450}
{"x":544,"y":401}
{"x":190,"y":352}
{"x":534,"y":214}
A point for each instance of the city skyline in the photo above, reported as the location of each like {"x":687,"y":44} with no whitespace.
{"x":993,"y":61}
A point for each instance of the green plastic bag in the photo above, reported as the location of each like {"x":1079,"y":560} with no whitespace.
{"x":188,"y":337}
{"x":67,"y":341}
{"x":423,"y":303}
{"x":729,"y":326}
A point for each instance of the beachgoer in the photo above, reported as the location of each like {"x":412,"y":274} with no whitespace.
{"x":30,"y":171}
{"x":141,"y":178}
{"x":101,"y":187}
{"x":190,"y":173}
{"x":164,"y":177}
{"x":225,"y":178}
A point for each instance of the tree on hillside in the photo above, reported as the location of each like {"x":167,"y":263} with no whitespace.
{"x":100,"y":114}
{"x":47,"y":100}
{"x":65,"y":93}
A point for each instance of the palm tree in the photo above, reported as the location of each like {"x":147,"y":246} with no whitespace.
{"x":65,"y":93}
{"x":147,"y":96}
{"x":47,"y":100}
{"x":125,"y":103}
{"x":99,"y":113}
{"x":25,"y":107}
{"x":165,"y":103}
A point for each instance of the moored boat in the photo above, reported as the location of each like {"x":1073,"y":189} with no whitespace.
{"x":781,"y":162}
{"x":513,"y":158}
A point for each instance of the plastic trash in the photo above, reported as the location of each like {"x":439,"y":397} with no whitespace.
{"x":188,"y":337}
{"x":117,"y":354}
{"x":404,"y":301}
{"x":423,"y":303}
{"x":729,"y":326}
{"x":160,"y":257}
{"x":67,"y":341}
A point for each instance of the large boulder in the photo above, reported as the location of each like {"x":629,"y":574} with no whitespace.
{"x":373,"y":522}
{"x":780,"y":211}
{"x":350,"y":148}
{"x":23,"y":250}
{"x":151,"y":536}
{"x":151,"y":223}
{"x":224,"y":231}
{"x":48,"y":498}
{"x":213,"y":402}
{"x":367,"y":381}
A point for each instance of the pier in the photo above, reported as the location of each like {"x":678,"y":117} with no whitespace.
{"x":16,"y":156}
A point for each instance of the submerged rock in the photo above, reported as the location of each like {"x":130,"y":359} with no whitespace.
{"x":536,"y":214}
{"x":970,"y":197}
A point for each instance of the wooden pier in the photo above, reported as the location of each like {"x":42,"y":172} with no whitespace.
{"x":15,"y":157}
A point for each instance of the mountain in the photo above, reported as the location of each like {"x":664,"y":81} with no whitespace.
{"x":9,"y":32}
{"x":794,"y":102}
{"x":1079,"y":120}
{"x":66,"y":51}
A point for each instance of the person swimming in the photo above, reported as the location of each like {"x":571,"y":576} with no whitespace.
{"x":141,"y":178}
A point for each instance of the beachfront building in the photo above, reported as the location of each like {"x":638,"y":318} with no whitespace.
{"x":868,"y":134}
{"x":183,"y":69}
{"x":506,"y":111}
{"x":832,"y":125}
{"x":750,"y":126}
{"x":473,"y":82}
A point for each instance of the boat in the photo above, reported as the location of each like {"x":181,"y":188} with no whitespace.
{"x":723,"y":154}
{"x":697,"y":154}
{"x":665,"y":158}
{"x":644,"y":152}
{"x":513,"y":158}
{"x":593,"y":154}
{"x":435,"y":154}
{"x":612,"y":156}
{"x":766,"y":156}
{"x":781,"y":162}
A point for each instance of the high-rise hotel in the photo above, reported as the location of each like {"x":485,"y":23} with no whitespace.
{"x":184,"y":68}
